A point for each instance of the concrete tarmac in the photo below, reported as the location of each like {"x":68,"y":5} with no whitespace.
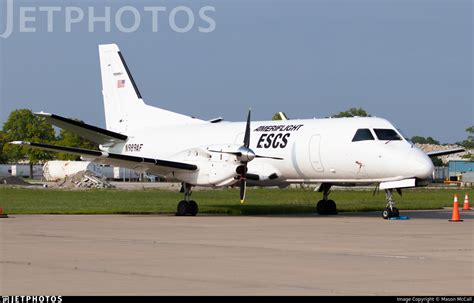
{"x":347,"y":254}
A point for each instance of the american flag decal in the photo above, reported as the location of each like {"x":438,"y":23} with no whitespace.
{"x":120,"y":83}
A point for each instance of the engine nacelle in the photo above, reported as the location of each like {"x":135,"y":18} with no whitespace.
{"x":214,"y":169}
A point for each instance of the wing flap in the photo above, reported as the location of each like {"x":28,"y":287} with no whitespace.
{"x":90,"y":132}
{"x":157,"y":166}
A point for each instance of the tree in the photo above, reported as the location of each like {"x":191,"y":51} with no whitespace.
{"x":469,"y":142}
{"x":69,"y":139}
{"x":437,"y":161}
{"x":352,"y":112}
{"x":423,"y":140}
{"x":23,"y":125}
{"x":278,"y":116}
{"x":470,"y":130}
{"x":3,"y":140}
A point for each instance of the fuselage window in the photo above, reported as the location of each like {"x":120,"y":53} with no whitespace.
{"x":386,"y":134}
{"x":363,"y":134}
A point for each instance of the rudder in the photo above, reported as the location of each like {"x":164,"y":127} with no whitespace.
{"x":123,"y":103}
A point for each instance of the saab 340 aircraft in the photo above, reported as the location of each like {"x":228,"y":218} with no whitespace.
{"x":342,"y":151}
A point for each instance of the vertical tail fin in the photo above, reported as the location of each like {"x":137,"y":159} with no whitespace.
{"x":123,"y":103}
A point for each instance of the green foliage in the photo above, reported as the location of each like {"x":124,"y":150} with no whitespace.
{"x":3,"y":140}
{"x":437,"y":161}
{"x":69,"y":139}
{"x":276,"y":117}
{"x":423,"y":140}
{"x":22,"y":125}
{"x":352,"y":112}
{"x":469,"y":142}
{"x":468,"y":156}
{"x":470,"y":130}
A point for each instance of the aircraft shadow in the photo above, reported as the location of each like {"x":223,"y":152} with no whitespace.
{"x":303,"y":211}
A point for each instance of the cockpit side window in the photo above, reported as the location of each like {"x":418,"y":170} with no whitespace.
{"x":386,"y":134}
{"x":363,"y":134}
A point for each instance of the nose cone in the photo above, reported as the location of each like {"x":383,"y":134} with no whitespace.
{"x":422,"y":165}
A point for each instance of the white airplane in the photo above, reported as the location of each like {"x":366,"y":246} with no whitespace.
{"x":329,"y":152}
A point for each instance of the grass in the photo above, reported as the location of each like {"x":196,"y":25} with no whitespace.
{"x":259,"y":201}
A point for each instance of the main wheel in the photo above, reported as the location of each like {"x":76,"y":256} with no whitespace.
{"x":331,"y":207}
{"x":192,"y":208}
{"x":321,"y":207}
{"x":387,"y":213}
{"x":182,"y":209}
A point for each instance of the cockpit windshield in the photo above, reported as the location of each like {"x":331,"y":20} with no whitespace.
{"x":386,"y":134}
{"x":363,"y":134}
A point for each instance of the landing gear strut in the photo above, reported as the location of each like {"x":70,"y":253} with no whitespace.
{"x":187,"y":206}
{"x":390,"y":211}
{"x":326,"y":206}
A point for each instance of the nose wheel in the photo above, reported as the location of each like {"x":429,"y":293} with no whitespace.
{"x":390,"y":211}
{"x":187,"y":207}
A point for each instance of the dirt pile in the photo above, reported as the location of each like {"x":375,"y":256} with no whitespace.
{"x":83,"y":179}
{"x":11,"y":180}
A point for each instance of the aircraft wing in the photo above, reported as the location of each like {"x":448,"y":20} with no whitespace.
{"x":445,"y":152}
{"x":90,"y":132}
{"x":154,"y":166}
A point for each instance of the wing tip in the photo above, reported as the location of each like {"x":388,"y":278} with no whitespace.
{"x":19,"y":143}
{"x":42,"y":113}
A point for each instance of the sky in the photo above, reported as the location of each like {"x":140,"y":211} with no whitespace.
{"x":410,"y":62}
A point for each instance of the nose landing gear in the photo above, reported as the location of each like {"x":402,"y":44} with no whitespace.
{"x":390,"y":211}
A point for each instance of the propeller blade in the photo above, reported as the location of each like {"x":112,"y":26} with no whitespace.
{"x":243,"y":187}
{"x":247,"y":131}
{"x":243,"y":183}
{"x":266,"y":157}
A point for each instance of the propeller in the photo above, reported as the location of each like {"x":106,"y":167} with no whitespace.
{"x":244,"y":154}
{"x":249,"y":156}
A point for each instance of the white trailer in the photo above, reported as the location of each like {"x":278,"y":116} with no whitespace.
{"x":57,"y":170}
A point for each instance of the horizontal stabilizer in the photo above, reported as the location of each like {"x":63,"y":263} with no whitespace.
{"x":89,"y":132}
{"x":445,"y":152}
{"x":157,"y":166}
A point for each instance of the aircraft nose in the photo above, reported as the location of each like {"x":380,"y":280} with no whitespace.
{"x":423,"y":166}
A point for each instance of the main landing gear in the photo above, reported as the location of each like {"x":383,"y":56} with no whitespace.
{"x":326,"y":206}
{"x":187,"y":207}
{"x":390,"y":211}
